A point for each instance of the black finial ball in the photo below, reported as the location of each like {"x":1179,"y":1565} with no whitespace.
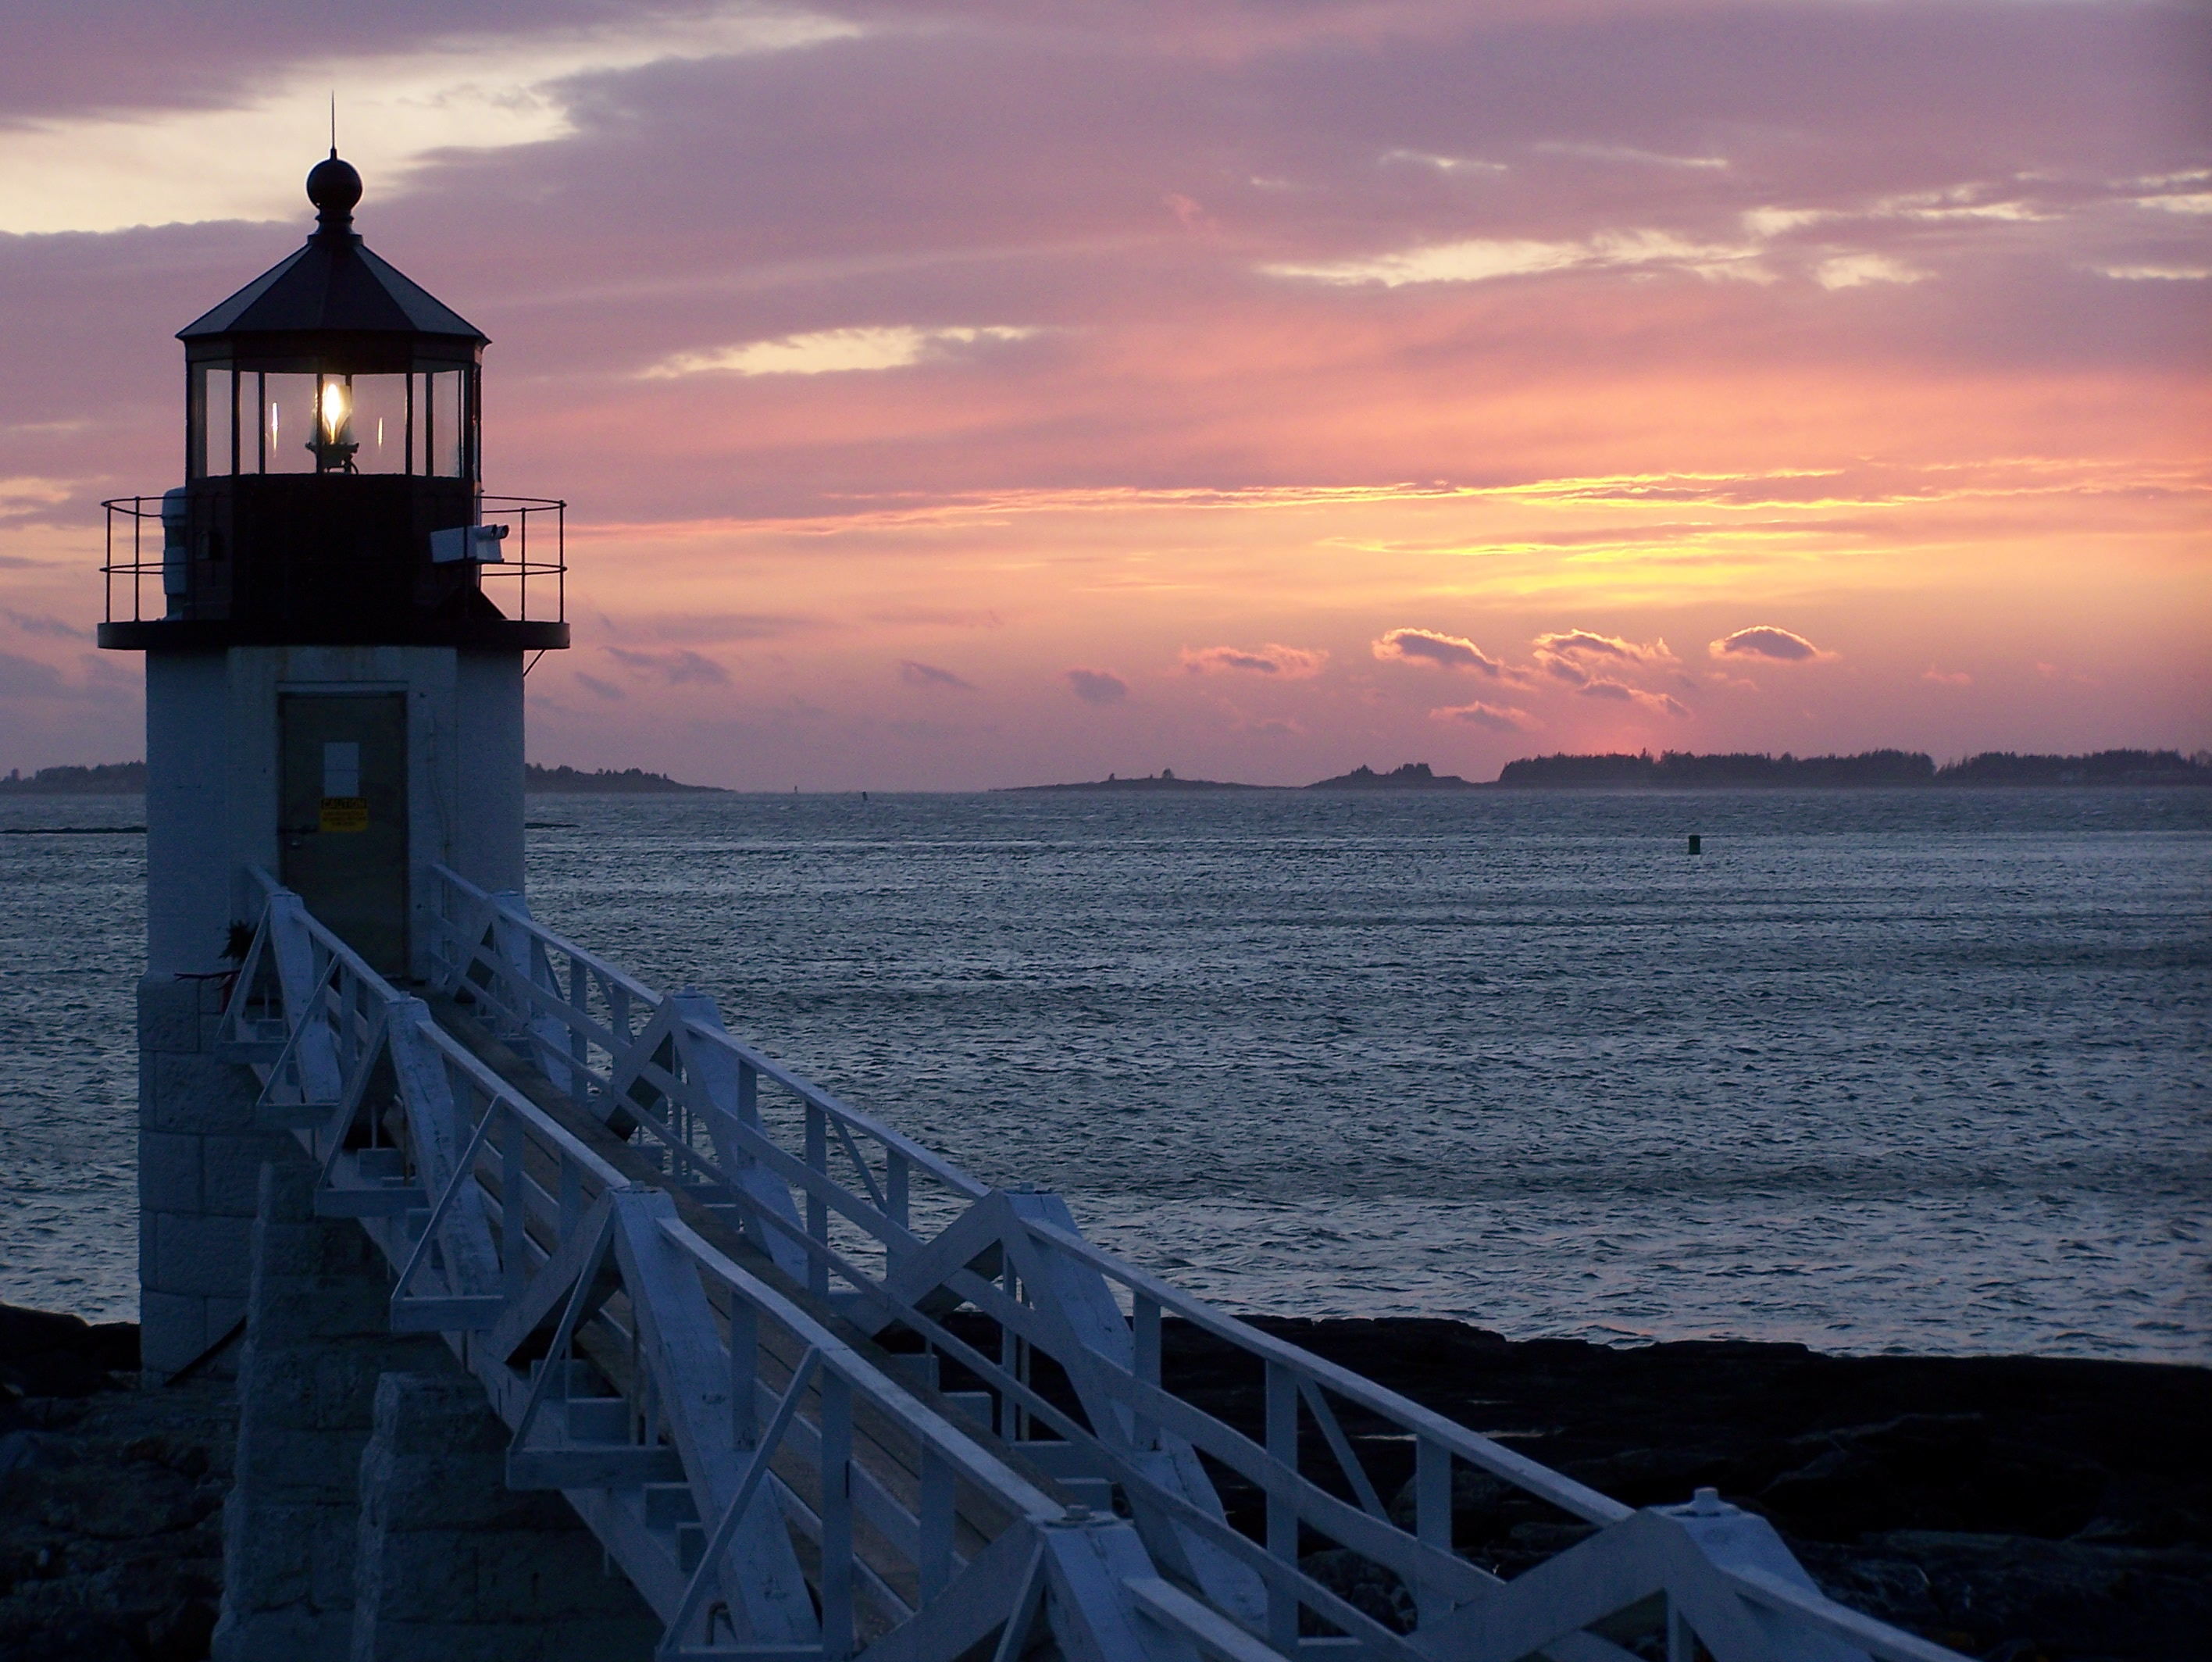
{"x":333,"y":187}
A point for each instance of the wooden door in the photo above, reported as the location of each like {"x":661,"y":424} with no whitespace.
{"x":342,"y":828}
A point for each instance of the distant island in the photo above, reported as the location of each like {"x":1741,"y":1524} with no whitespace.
{"x":107,"y":778}
{"x":629,"y":782}
{"x":1408,"y":776}
{"x":1680,"y":770}
{"x":2099,"y":768}
{"x":118,"y":779}
{"x":1671,"y":770}
{"x":1683,"y":770}
{"x":1166,"y":780}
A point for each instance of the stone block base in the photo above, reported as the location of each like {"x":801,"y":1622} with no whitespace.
{"x":370,"y":1517}
{"x":317,"y":1341}
{"x":200,"y":1155}
{"x":453,"y":1564}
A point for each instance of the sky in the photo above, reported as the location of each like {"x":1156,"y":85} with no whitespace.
{"x":950,"y":396}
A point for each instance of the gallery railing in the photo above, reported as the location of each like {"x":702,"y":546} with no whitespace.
{"x":588,"y":1188}
{"x":164,"y":558}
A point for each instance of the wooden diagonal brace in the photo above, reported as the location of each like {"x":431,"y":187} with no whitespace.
{"x":675,"y":1341}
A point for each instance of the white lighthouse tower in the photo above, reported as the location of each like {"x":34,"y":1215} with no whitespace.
{"x":335,"y":626}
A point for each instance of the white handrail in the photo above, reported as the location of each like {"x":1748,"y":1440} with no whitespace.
{"x":1564,"y":1492}
{"x":855,"y":1119}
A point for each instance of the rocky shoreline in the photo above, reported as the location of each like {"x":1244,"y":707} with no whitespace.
{"x":111,"y":1497}
{"x":2011,"y":1507}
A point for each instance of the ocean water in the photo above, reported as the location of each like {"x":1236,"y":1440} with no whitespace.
{"x":1923,"y":1072}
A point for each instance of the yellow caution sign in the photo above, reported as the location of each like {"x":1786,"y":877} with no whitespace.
{"x":344,"y":814}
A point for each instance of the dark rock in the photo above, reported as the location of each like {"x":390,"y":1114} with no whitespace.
{"x":1548,"y":1538}
{"x":1482,"y":1506}
{"x":110,"y":1525}
{"x":49,"y":1413}
{"x":1364,"y":1584}
{"x":2155,"y":1525}
{"x":21,"y":1451}
{"x":181,"y":1633}
{"x":55,"y":1373}
{"x":188,"y":1458}
{"x":1980,"y":1593}
{"x":1658,"y":1476}
{"x":72,"y":1637}
{"x":1932,"y":1471}
{"x":2029,"y":1451}
{"x":29,"y":1332}
{"x":45,"y":1354}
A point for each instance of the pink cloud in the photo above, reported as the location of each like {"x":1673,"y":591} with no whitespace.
{"x":1434,"y":650}
{"x":929,"y":675}
{"x":1765,"y":640}
{"x":1947,"y":677}
{"x":27,"y":677}
{"x":33,"y":623}
{"x":1097,"y":686}
{"x":1620,"y":692}
{"x":1190,"y":214}
{"x":681,"y":667}
{"x":1288,"y":663}
{"x":1586,"y":643}
{"x":1498,"y":718}
{"x":947,"y":617}
{"x":1569,"y":655}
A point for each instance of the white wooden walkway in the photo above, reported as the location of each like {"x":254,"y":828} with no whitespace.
{"x":668,"y":1258}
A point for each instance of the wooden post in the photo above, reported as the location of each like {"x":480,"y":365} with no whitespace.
{"x":1282,"y":1411}
{"x":1145,"y":1360}
{"x":895,"y":1189}
{"x":745,"y":1372}
{"x":1432,"y":1519}
{"x":836,"y":1517}
{"x":514,"y":1205}
{"x":934,"y":1521}
{"x":572,"y":1195}
{"x":817,"y":1209}
{"x":1009,"y":1353}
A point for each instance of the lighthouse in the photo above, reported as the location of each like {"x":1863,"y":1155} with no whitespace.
{"x":337,"y":622}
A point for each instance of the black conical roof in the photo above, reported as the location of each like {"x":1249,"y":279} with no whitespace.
{"x":334,"y":284}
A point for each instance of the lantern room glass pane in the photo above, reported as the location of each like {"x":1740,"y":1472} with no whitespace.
{"x":446,"y":433}
{"x":217,"y":430}
{"x":289,"y":441}
{"x":378,"y":406}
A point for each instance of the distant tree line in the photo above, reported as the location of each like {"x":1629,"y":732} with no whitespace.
{"x":630,"y":781}
{"x":108,"y":779}
{"x":128,"y":777}
{"x":1680,"y":770}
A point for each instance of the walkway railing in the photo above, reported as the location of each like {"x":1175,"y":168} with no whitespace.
{"x":666,"y":1256}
